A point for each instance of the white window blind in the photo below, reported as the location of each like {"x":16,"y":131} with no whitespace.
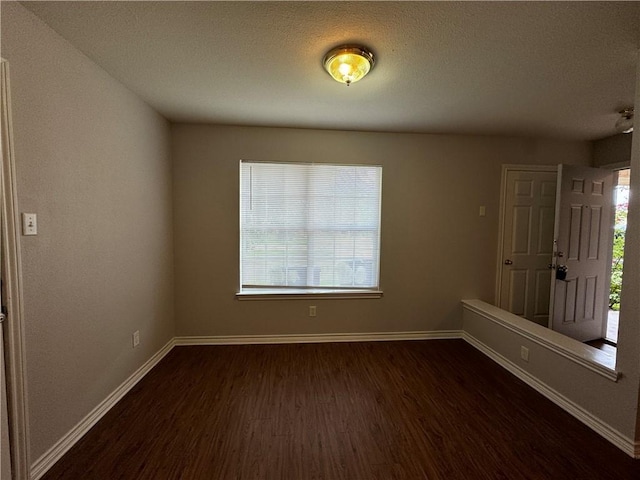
{"x":309,"y":226}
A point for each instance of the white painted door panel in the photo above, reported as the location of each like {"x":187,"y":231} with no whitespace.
{"x":528,"y":243}
{"x":583,"y":232}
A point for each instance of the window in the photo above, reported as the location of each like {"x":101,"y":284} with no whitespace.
{"x":309,"y":228}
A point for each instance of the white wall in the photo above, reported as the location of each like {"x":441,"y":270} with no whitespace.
{"x":436,"y":250}
{"x":93,"y":161}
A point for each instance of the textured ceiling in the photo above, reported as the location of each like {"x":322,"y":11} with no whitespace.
{"x":536,"y":69}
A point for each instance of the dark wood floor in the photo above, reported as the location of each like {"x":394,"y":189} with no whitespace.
{"x":606,"y":346}
{"x":386,"y":410}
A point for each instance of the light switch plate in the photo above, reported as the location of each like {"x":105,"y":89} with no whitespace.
{"x":29,"y":224}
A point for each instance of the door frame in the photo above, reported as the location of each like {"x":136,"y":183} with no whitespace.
{"x":506,"y":169}
{"x":616,"y":168}
{"x":13,"y":291}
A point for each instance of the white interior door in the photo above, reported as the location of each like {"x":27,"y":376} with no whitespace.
{"x":529,"y":209}
{"x":583,"y":235}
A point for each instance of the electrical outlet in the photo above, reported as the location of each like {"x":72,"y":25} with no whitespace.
{"x":524,"y":353}
{"x":136,"y":338}
{"x":312,"y":311}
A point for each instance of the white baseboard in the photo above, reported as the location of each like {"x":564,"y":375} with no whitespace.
{"x":316,"y":338}
{"x":51,"y":456}
{"x":621,"y":441}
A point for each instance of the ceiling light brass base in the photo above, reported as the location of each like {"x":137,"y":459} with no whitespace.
{"x":348,"y":63}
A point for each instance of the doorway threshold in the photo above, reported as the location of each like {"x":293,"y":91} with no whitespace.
{"x":604,"y":345}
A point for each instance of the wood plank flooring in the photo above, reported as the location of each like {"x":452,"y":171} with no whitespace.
{"x":432,"y":410}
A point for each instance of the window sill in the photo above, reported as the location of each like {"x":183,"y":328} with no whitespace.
{"x":301,"y":294}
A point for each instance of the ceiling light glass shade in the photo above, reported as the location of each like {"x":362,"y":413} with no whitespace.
{"x":348,"y":63}
{"x":625,"y":122}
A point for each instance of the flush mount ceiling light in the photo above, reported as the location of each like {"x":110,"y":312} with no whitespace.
{"x":348,"y":63}
{"x":625,"y":122}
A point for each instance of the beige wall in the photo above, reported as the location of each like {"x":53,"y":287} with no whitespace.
{"x":436,"y":250}
{"x":617,"y":404}
{"x":629,"y":343}
{"x":615,"y":150}
{"x":93,"y":162}
{"x":614,"y":403}
{"x":621,"y":150}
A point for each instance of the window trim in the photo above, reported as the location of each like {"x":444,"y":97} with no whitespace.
{"x":251,"y":292}
{"x":292,"y":293}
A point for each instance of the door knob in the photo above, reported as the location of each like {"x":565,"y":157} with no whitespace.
{"x":508,"y":262}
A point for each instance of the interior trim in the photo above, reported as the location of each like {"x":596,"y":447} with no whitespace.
{"x":62,"y":446}
{"x":585,"y":355}
{"x":49,"y":458}
{"x":624,"y":443}
{"x":303,"y":294}
{"x":317,"y":338}
{"x":14,"y":329}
